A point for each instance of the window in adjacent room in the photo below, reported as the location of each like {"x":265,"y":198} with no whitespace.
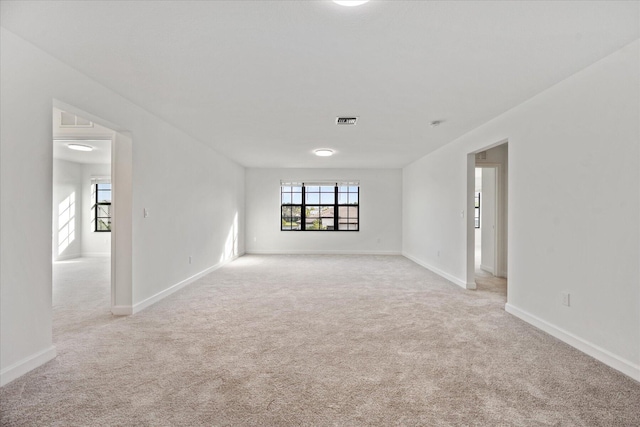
{"x":320,"y":206}
{"x":101,"y":197}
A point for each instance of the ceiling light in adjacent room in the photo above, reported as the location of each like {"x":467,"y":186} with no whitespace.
{"x":350,"y":3}
{"x":80,"y":147}
{"x":323,"y":152}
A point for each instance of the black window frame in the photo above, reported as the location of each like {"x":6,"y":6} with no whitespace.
{"x":96,"y":207}
{"x":298,"y":212}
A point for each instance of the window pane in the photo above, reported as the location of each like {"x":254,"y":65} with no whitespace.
{"x":286,"y":198}
{"x":342,"y":198}
{"x":104,"y":196}
{"x":104,"y":224}
{"x":313,"y":198}
{"x":327,"y":189}
{"x":353,"y":189}
{"x":348,"y":218}
{"x":313,"y":189}
{"x":296,"y":189}
{"x":313,"y":211}
{"x":327,"y":198}
{"x":285,"y":189}
{"x":327,"y":211}
{"x":353,"y":198}
{"x":104,"y":211}
{"x":297,"y":198}
{"x":319,"y":218}
{"x":286,"y":211}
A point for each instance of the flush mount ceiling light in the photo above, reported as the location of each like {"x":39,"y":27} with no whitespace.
{"x":350,"y":3}
{"x":323,"y":152}
{"x":80,"y":147}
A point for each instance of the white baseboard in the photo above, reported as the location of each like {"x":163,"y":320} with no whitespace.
{"x":67,"y":257}
{"x":170,"y":290}
{"x":122,"y":310}
{"x":462,"y":283}
{"x":25,"y":365}
{"x":320,"y":252}
{"x":599,"y":353}
{"x":96,"y":254}
{"x":486,"y":268}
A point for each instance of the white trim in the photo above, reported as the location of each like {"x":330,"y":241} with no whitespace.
{"x":449,"y":277}
{"x":616,"y":362}
{"x":25,"y":365}
{"x":485,"y":268}
{"x":321,"y":252}
{"x":67,"y":257}
{"x":122,"y":310}
{"x":97,"y":254}
{"x":170,"y":290}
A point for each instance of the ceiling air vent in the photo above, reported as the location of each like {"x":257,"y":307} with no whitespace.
{"x":346,"y":120}
{"x":68,"y":120}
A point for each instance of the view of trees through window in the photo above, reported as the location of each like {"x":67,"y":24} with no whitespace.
{"x":320,"y":206}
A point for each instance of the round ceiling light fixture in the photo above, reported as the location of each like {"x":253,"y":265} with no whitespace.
{"x":350,"y":3}
{"x":323,"y":152}
{"x":80,"y":147}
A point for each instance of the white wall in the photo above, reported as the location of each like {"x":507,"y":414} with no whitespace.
{"x":194,"y":195}
{"x":93,"y":243}
{"x":574,"y":187}
{"x":68,"y":208}
{"x":380,"y":213}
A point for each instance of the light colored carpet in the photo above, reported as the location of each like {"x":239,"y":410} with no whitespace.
{"x":315,"y":340}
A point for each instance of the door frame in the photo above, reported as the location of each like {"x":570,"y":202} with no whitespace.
{"x":122,"y":211}
{"x":501,"y":251}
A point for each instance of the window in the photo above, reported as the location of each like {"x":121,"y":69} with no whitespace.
{"x":319,"y":206}
{"x":477,"y":210}
{"x":101,"y":197}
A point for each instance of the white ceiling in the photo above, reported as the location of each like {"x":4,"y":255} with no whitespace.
{"x":101,"y":153}
{"x":263,"y":81}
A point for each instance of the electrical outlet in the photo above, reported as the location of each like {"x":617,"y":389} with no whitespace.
{"x":146,"y":212}
{"x":566,"y":299}
{"x":190,"y":259}
{"x":438,"y":253}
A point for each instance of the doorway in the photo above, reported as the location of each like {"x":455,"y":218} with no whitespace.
{"x":108,"y":191}
{"x":487,"y":229}
{"x":82,"y":197}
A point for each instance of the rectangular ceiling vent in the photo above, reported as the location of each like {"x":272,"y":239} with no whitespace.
{"x":68,"y":120}
{"x":346,"y":120}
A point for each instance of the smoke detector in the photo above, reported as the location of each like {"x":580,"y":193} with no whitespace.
{"x":346,"y":120}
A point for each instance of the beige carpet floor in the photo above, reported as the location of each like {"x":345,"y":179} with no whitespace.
{"x":314,"y":341}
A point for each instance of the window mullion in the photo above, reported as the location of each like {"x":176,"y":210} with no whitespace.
{"x":336,"y":212}
{"x":303,"y":210}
